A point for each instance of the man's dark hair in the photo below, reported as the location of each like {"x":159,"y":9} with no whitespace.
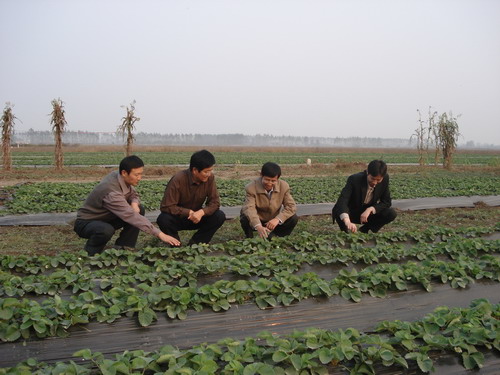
{"x":377,"y":168}
{"x":130,"y":162}
{"x":271,"y":169}
{"x":201,"y":159}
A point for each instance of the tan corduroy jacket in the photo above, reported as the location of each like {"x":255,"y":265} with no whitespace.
{"x":260,"y":209}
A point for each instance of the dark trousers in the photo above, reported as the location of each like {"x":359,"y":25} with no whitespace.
{"x":206,"y":228}
{"x":281,"y":230}
{"x":375,"y":221}
{"x":99,"y":233}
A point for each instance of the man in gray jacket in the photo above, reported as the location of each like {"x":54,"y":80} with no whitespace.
{"x":114,"y":204}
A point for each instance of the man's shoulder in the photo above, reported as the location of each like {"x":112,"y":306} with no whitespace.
{"x":109,"y":179}
{"x":283,"y":184}
{"x":357,"y":176}
{"x":252,"y":185}
{"x":180,"y":175}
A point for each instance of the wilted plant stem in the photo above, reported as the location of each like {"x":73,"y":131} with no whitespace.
{"x":58,"y":122}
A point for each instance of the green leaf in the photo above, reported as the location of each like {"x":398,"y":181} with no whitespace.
{"x":146,"y":317}
{"x":6,"y":314}
{"x":424,"y":363}
{"x":266,"y":369}
{"x":296,"y":361}
{"x":12,"y":333}
{"x":172,"y":311}
{"x":386,"y":355}
{"x":84,"y":353}
{"x":40,"y":327}
{"x":279,"y":356}
{"x":114,"y":310}
{"x":473,"y":360}
{"x":9,"y":302}
{"x":325,"y":355}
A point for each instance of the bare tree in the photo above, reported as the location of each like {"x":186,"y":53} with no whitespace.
{"x":433,"y":134}
{"x":448,"y":136}
{"x":126,"y":129}
{"x":423,"y":135}
{"x":58,"y":122}
{"x":432,"y":137}
{"x":7,"y":130}
{"x":420,"y":136}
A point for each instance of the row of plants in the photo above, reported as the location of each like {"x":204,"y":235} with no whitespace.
{"x":224,"y":157}
{"x":122,"y":296}
{"x":68,"y":197}
{"x":464,"y":332}
{"x":303,"y":241}
{"x":156,"y":266}
{"x":344,"y":247}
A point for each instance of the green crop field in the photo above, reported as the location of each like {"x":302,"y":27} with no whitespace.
{"x":223,"y":157}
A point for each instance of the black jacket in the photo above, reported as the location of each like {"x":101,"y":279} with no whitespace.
{"x":354,"y":192}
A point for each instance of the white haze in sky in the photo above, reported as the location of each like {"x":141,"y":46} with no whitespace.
{"x":326,"y":68}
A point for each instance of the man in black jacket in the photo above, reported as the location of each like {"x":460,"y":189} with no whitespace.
{"x":365,"y":199}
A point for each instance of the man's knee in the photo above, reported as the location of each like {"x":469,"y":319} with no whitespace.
{"x":219,"y":217}
{"x":390,"y":214}
{"x":165,"y":220}
{"x":104,"y":231}
{"x":292,"y":221}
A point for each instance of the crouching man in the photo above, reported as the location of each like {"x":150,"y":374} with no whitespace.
{"x":269,"y":208}
{"x":114,"y":204}
{"x":366,"y":200}
{"x":191,"y":201}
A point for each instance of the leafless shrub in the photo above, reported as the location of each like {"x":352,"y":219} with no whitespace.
{"x":58,"y":122}
{"x":126,"y":129}
{"x":7,"y":131}
{"x":448,"y":132}
{"x":423,"y":135}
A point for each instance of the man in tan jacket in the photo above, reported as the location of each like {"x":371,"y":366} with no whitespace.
{"x":269,"y":207}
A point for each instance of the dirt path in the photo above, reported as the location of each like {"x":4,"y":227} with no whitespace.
{"x":302,"y":209}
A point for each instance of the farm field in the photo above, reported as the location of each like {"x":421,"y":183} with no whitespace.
{"x":111,"y":155}
{"x":420,"y":296}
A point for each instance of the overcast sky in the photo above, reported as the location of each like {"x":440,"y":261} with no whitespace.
{"x":283,"y":67}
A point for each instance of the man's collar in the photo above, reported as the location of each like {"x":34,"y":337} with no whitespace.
{"x":260,"y":186}
{"x":123,"y":184}
{"x":191,"y":178}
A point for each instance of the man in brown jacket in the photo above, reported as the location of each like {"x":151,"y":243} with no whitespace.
{"x":191,"y":201}
{"x":269,"y":207}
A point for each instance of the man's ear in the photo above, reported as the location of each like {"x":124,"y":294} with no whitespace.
{"x":124,"y":173}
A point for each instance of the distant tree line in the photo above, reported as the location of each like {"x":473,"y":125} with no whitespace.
{"x":112,"y":138}
{"x":260,"y":140}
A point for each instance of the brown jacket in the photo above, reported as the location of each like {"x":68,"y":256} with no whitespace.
{"x":260,"y":209}
{"x":183,"y":194}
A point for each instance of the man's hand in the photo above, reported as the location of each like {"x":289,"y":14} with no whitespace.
{"x":135,"y":207}
{"x":351,"y":227}
{"x":262,"y":231}
{"x":366,"y":213}
{"x":271,"y":224}
{"x":195,"y":216}
{"x":169,"y":239}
